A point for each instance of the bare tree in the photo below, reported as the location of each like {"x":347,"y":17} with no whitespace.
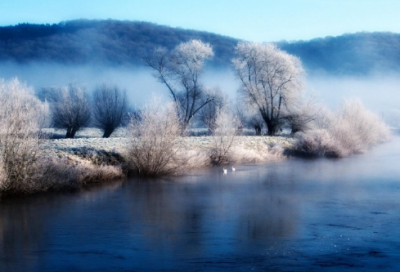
{"x":180,"y":70}
{"x":256,"y":122}
{"x":208,"y":114}
{"x":109,"y":108}
{"x":71,"y":111}
{"x":270,"y":79}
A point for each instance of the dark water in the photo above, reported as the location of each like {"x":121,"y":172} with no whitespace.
{"x":297,"y":215}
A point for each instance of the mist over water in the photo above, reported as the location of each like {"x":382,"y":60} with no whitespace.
{"x":138,"y":82}
{"x":379,"y":93}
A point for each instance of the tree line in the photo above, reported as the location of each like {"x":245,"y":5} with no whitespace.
{"x":271,"y":86}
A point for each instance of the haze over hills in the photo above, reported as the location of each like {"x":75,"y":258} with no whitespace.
{"x":123,"y":43}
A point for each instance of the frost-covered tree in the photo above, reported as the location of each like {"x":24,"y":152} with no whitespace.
{"x":21,"y":119}
{"x":180,"y":71}
{"x":72,"y":110}
{"x":109,"y":108}
{"x":270,"y":80}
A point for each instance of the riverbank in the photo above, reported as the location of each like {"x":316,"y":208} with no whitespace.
{"x":247,"y":149}
{"x":72,"y":163}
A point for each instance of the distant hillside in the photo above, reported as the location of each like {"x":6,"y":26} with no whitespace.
{"x":117,"y":43}
{"x":360,"y":53}
{"x":107,"y":42}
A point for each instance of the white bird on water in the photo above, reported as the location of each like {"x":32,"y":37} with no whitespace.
{"x":233,"y":169}
{"x":225,"y":170}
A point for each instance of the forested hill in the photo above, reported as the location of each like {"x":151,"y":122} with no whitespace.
{"x":111,"y":42}
{"x":357,"y":54}
{"x":107,"y":42}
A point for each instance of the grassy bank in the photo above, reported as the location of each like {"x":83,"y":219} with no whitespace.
{"x":73,"y":163}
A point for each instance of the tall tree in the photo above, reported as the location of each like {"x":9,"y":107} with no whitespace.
{"x":270,"y":80}
{"x":180,"y":70}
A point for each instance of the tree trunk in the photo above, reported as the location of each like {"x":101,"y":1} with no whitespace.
{"x":107,"y":133}
{"x":258,"y":130}
{"x":71,"y":133}
{"x":272,"y":128}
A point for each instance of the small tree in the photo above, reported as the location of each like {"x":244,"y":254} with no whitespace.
{"x":223,"y":137}
{"x":208,"y":114}
{"x":302,"y":116}
{"x":71,"y":111}
{"x":109,"y":108}
{"x":256,"y":122}
{"x":270,"y":79}
{"x":154,"y":136}
{"x":180,"y":70}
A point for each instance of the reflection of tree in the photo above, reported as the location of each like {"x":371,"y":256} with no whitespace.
{"x":191,"y":217}
{"x":26,"y":224}
{"x":21,"y":232}
{"x":169,"y":215}
{"x":271,"y":217}
{"x":271,"y":208}
{"x":196,"y":217}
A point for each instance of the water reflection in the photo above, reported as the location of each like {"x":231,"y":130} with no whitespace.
{"x":281,"y":215}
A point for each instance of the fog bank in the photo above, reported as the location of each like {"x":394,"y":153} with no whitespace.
{"x":378,"y":93}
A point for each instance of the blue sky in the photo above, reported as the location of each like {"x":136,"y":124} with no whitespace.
{"x":256,"y":20}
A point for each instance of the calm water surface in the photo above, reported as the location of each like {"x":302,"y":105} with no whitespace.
{"x":296,"y":215}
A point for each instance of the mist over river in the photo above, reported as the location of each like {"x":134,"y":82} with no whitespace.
{"x":293,"y":215}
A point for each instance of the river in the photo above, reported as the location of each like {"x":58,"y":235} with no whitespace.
{"x":294,"y":215}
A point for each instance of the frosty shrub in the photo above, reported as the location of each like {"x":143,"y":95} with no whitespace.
{"x":21,"y":119}
{"x":70,"y":172}
{"x":352,"y":129}
{"x":316,"y":142}
{"x":223,"y":137}
{"x":356,"y":129}
{"x":154,"y":141}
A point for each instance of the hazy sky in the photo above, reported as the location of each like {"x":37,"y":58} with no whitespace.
{"x":256,"y":20}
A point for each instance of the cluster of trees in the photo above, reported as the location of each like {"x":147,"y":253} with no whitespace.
{"x":271,"y":84}
{"x":271,"y":92}
{"x":72,"y":109}
{"x":25,"y":166}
